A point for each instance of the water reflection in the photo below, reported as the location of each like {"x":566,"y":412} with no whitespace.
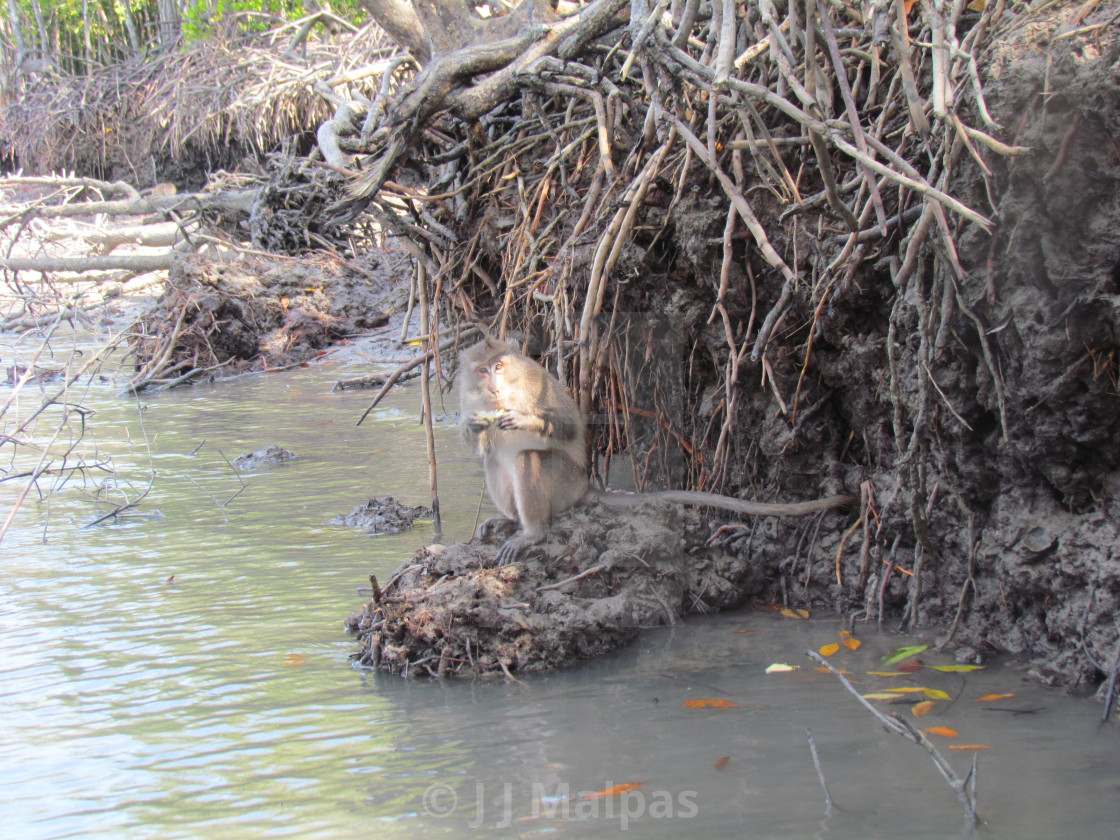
{"x":186,"y":674}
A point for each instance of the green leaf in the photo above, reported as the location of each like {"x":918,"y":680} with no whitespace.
{"x":957,"y":669}
{"x":898,"y":654}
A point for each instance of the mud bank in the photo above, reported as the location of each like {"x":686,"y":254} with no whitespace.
{"x":601,"y":577}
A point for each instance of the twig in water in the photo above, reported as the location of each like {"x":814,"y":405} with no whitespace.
{"x":902,"y":727}
{"x":820,"y":771}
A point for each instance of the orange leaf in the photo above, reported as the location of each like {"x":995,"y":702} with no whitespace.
{"x":294,"y":659}
{"x":788,"y":613}
{"x":910,"y":667}
{"x":828,"y":650}
{"x":993,"y":697}
{"x":710,"y":704}
{"x":722,"y":762}
{"x":852,"y":644}
{"x":908,"y":5}
{"x":942,"y":730}
{"x":824,"y":670}
{"x":744,"y":632}
{"x":969,"y":747}
{"x":922,"y":709}
{"x":613,"y":790}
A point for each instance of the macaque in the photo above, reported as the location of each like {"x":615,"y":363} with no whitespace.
{"x":532,"y":440}
{"x":531,"y":437}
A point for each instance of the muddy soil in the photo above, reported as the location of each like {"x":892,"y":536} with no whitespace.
{"x":260,"y":313}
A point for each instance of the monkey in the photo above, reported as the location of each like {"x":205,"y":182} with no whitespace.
{"x":530,"y":434}
{"x":531,"y":437}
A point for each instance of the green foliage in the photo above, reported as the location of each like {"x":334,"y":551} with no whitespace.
{"x":67,"y":22}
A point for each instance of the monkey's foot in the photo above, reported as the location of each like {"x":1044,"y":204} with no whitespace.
{"x":515,"y":548}
{"x":496,"y":528}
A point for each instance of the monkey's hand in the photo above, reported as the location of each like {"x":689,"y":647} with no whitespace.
{"x":482,"y":420}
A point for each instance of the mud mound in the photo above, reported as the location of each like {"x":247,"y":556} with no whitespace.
{"x":259,"y":314}
{"x":602,"y":575}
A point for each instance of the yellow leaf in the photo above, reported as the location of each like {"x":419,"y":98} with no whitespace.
{"x":824,"y":670}
{"x":937,"y":694}
{"x":880,"y":696}
{"x":803,"y":613}
{"x":799,"y":614}
{"x":922,"y":709}
{"x":710,"y":704}
{"x":294,"y":659}
{"x":828,"y":650}
{"x":886,"y":673}
{"x":987,"y":697}
{"x":780,"y":668}
{"x":908,"y":690}
{"x":942,"y":730}
{"x":976,"y":5}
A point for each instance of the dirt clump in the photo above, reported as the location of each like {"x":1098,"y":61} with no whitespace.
{"x":383,"y":515}
{"x":270,"y":456}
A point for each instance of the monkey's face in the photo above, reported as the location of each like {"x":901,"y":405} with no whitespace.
{"x":489,"y":377}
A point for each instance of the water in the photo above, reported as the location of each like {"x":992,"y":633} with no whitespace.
{"x":184,"y":672}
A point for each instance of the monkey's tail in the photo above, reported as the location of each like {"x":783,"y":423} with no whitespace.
{"x":698,"y":499}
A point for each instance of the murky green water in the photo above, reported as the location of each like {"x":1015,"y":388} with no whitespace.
{"x":221,"y":703}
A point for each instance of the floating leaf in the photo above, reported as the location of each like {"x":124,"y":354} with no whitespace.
{"x":898,"y":654}
{"x":937,"y":694}
{"x":942,"y":730}
{"x":969,"y":747}
{"x":799,"y":614}
{"x":613,"y":790}
{"x":170,"y":579}
{"x":987,"y":697}
{"x":910,"y":667}
{"x":294,"y":659}
{"x":722,"y":762}
{"x":957,"y":669}
{"x":824,"y":670}
{"x":744,"y":632}
{"x":828,"y":650}
{"x":852,"y":644}
{"x":780,"y":668}
{"x":922,"y":709}
{"x":910,"y":689}
{"x":882,"y":695}
{"x":886,"y":673}
{"x":710,"y":704}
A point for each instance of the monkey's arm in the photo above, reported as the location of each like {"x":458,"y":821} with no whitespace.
{"x":553,"y":425}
